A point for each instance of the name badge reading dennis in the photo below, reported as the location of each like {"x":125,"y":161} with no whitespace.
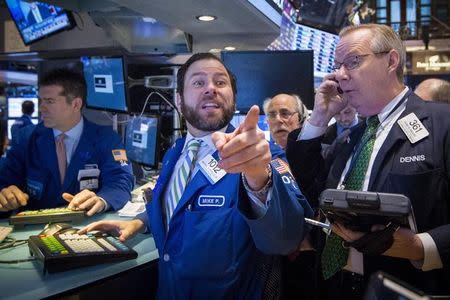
{"x":210,"y":168}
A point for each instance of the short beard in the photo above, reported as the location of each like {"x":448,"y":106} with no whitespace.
{"x":209,"y":124}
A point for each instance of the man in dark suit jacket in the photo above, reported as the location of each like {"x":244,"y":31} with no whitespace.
{"x":412,"y":159}
{"x":345,"y":119}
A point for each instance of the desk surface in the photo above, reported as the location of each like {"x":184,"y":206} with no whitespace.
{"x":26,"y":280}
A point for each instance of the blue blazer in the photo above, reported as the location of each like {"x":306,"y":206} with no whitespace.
{"x":216,"y":252}
{"x":32,"y":165}
{"x":21,"y":122}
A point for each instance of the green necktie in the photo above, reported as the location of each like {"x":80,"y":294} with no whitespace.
{"x":334,"y":255}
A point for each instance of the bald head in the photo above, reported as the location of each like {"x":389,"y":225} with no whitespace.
{"x":284,"y":113}
{"x":434,"y":89}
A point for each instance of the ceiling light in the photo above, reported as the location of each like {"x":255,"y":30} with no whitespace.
{"x":215,"y":50}
{"x":149,"y":20}
{"x":206,"y":18}
{"x":230,"y":48}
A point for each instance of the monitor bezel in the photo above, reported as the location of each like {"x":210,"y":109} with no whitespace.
{"x":70,"y":26}
{"x":125,"y":78}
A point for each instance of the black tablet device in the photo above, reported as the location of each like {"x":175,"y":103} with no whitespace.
{"x":359,"y":210}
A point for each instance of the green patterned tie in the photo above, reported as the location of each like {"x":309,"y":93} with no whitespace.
{"x":334,"y":255}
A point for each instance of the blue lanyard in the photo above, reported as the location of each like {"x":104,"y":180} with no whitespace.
{"x":361,"y":143}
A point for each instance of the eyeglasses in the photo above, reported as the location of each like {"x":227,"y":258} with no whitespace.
{"x":353,"y":61}
{"x":284,"y":114}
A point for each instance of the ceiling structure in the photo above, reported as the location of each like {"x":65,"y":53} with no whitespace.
{"x":145,"y":26}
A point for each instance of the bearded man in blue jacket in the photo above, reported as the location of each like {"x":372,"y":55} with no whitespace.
{"x":240,"y":209}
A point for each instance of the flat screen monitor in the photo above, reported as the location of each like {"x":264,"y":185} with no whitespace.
{"x":11,"y":122}
{"x":295,"y":36}
{"x":15,"y":106}
{"x":142,"y":140}
{"x":325,"y":15}
{"x":37,"y":20}
{"x":106,"y":83}
{"x":263,"y":74}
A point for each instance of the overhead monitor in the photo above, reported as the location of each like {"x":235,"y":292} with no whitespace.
{"x":142,"y":140}
{"x":106,"y":83}
{"x":263,"y":74}
{"x":37,"y":20}
{"x":295,"y":36}
{"x":15,"y":106}
{"x":326,"y":15}
{"x":11,"y":122}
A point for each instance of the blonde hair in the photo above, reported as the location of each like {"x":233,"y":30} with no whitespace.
{"x":383,"y":39}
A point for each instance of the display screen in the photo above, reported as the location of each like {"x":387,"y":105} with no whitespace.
{"x":15,"y":106}
{"x":264,"y":74}
{"x":323,"y":14}
{"x":106,"y":83}
{"x":141,"y":141}
{"x":295,"y":36}
{"x":36,"y":20}
{"x":11,"y":122}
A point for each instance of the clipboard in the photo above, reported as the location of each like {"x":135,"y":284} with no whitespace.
{"x":359,"y":210}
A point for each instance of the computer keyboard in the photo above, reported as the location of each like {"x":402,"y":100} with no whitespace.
{"x":48,"y":215}
{"x":4,"y":231}
{"x":69,"y":250}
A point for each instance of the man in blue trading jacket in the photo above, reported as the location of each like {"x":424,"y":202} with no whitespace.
{"x":237,"y":212}
{"x":25,"y":119}
{"x":65,"y":157}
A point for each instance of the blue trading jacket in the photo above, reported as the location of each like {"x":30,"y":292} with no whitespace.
{"x":215,"y":251}
{"x":32,"y":165}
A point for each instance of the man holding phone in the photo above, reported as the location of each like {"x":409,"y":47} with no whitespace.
{"x":402,"y":147}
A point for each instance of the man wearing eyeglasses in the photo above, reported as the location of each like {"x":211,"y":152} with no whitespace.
{"x":409,"y":155}
{"x":284,"y":113}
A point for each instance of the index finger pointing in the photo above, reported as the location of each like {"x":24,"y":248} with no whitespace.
{"x":251,"y":119}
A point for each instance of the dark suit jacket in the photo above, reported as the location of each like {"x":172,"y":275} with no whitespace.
{"x":420,"y":171}
{"x":330,"y":135}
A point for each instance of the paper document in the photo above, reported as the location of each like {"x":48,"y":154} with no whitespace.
{"x":132,"y":209}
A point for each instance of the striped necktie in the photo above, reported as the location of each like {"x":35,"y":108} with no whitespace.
{"x":182,"y":177}
{"x":334,"y":255}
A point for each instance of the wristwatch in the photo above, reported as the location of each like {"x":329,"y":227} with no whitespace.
{"x":261,"y":193}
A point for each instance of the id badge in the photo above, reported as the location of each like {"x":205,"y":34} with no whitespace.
{"x":209,"y":167}
{"x":89,"y":184}
{"x":88,"y":177}
{"x":413,"y":128}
